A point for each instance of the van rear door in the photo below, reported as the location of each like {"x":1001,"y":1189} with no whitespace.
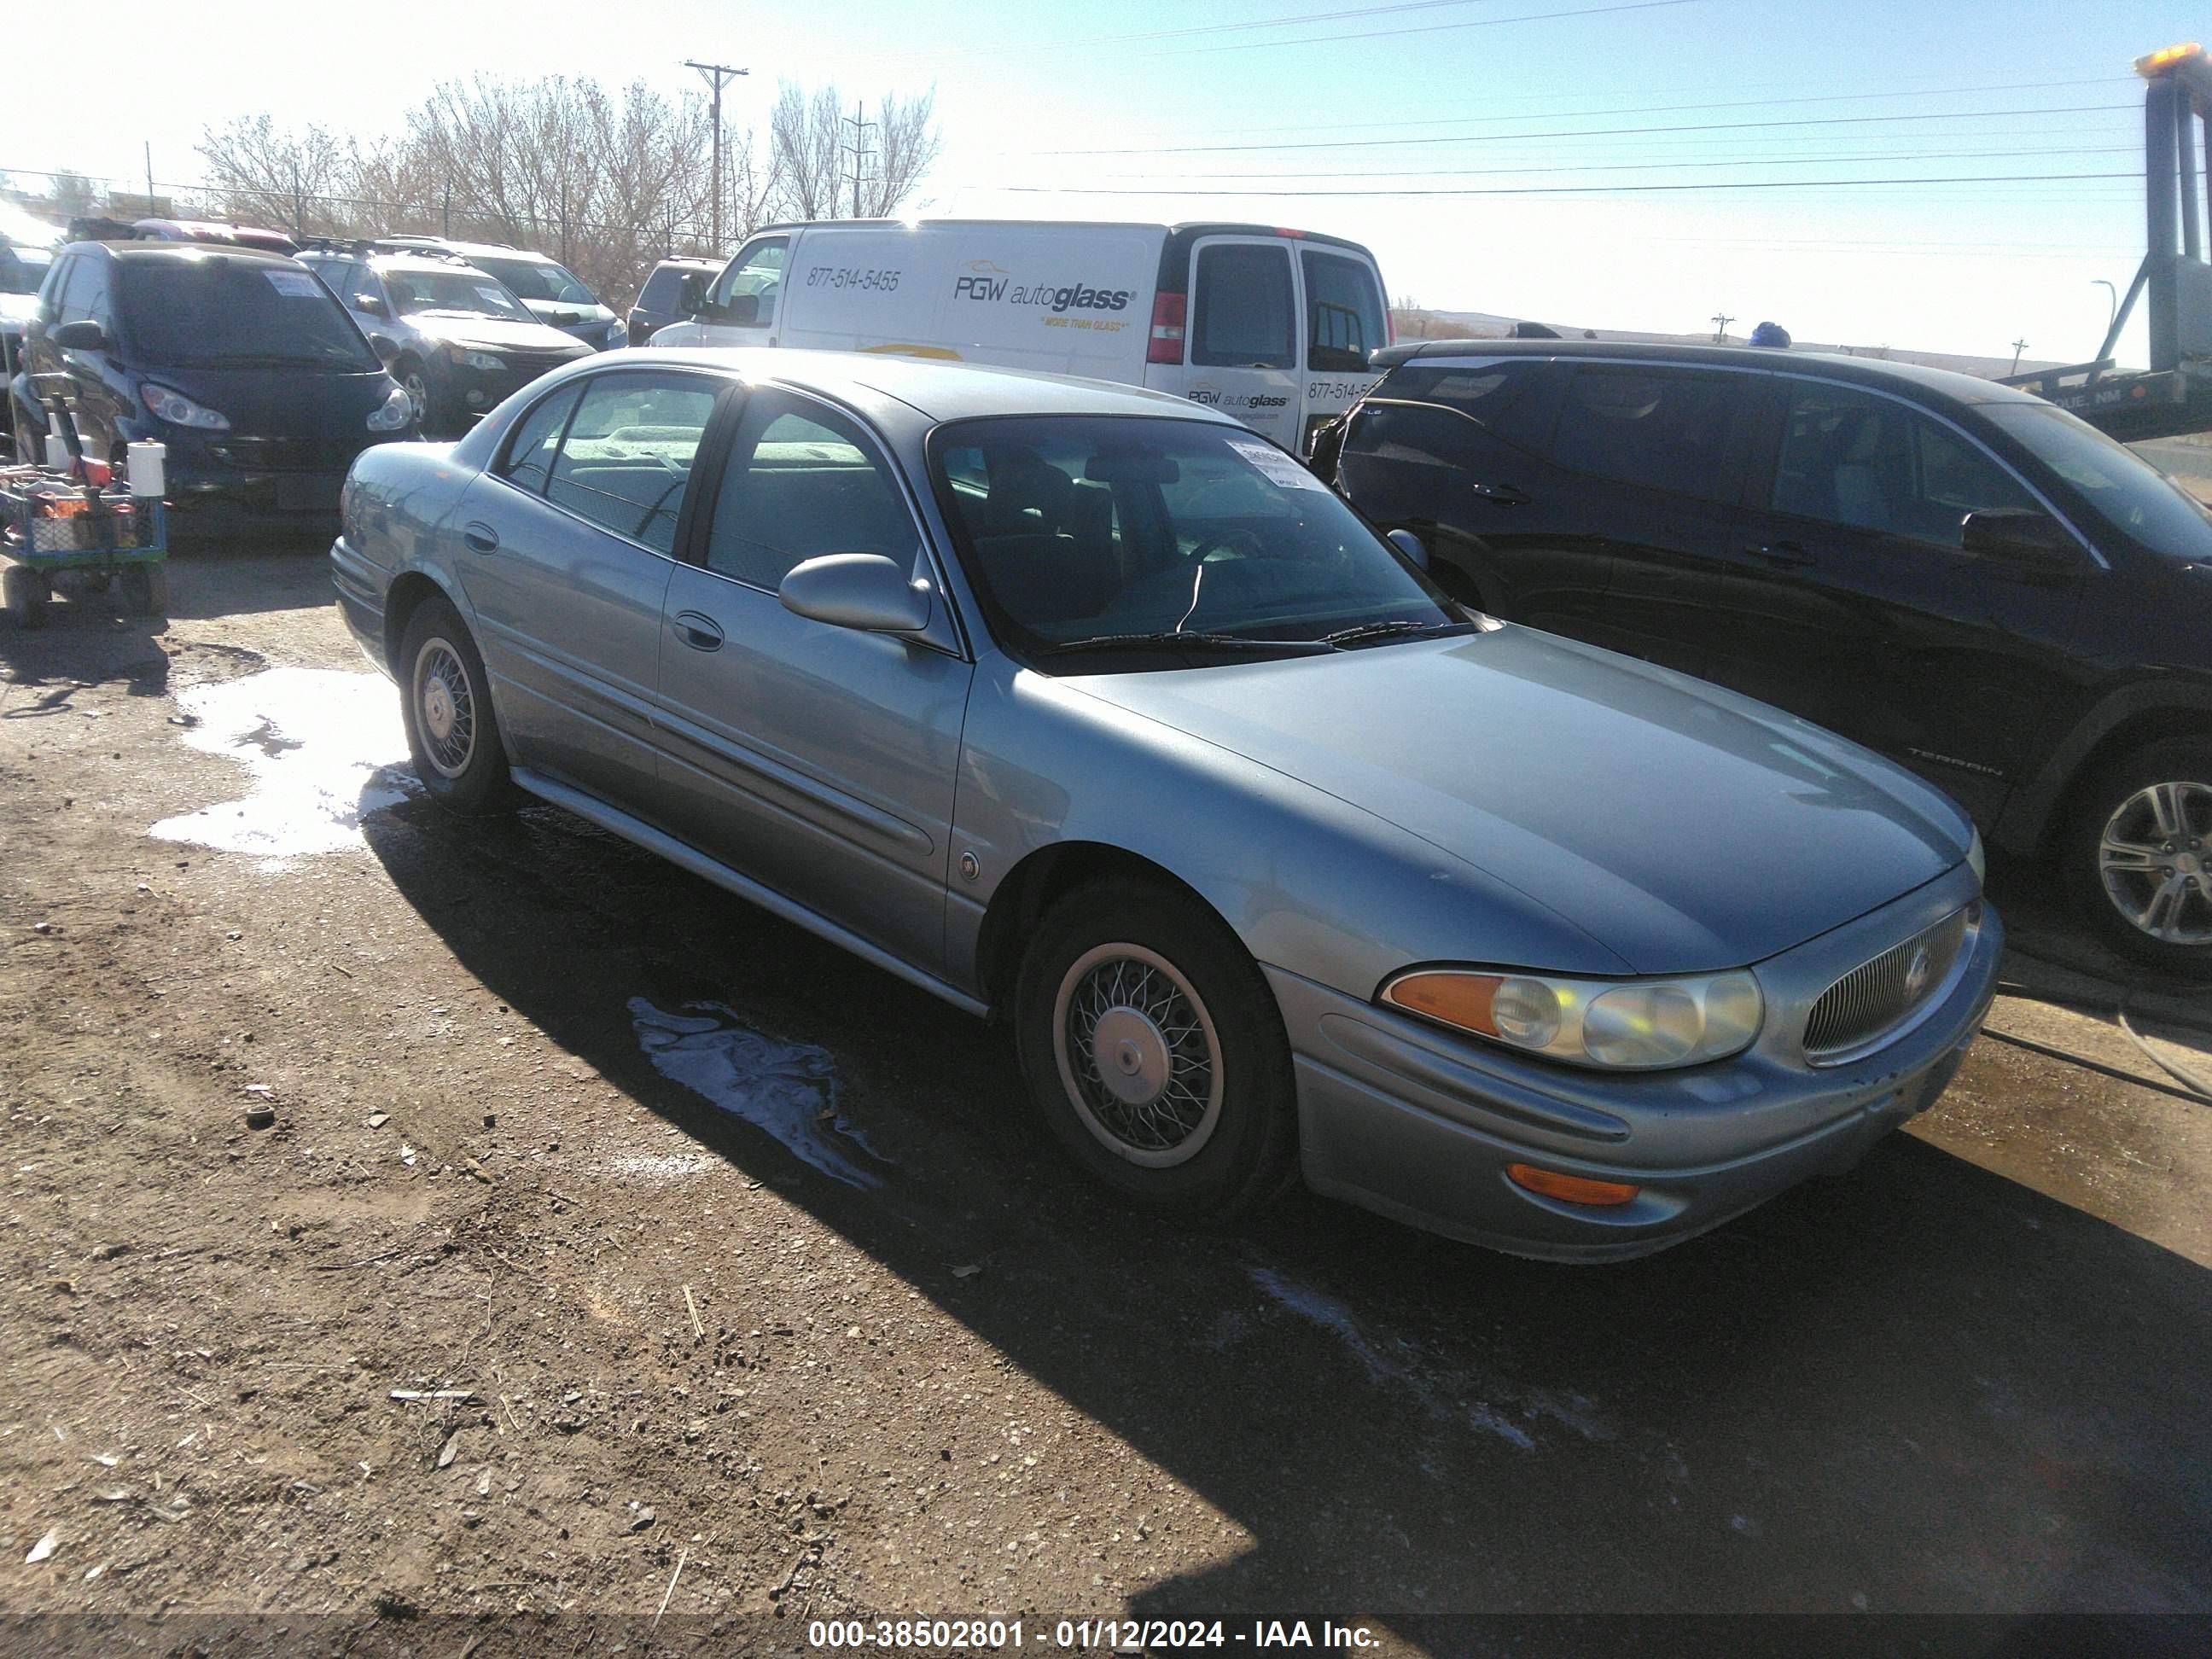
{"x":1243,"y":336}
{"x":1346,"y":320}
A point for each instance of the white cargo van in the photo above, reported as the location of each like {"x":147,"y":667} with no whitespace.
{"x":1273,"y":327}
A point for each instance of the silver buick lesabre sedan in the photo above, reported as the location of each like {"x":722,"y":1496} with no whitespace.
{"x":1086,"y":707}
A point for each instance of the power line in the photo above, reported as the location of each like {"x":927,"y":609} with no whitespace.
{"x":1587,"y":132}
{"x":1648,"y":166}
{"x":1585,"y":190}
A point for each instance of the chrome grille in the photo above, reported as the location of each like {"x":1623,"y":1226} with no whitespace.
{"x":1877,"y":997}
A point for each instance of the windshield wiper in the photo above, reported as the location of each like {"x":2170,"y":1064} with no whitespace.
{"x":1386,"y":630}
{"x":1172,"y":640}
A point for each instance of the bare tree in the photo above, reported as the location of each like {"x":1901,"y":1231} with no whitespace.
{"x":264,"y":173}
{"x":833,"y":168}
{"x":908,"y":144}
{"x":807,"y":133}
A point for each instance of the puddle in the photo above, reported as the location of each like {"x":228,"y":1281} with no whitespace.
{"x":788,"y":1088}
{"x":323,"y":749}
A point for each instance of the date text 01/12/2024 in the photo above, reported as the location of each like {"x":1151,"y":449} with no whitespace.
{"x":922,"y":1635}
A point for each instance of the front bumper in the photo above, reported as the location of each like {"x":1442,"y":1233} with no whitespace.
{"x":1406,"y":1119}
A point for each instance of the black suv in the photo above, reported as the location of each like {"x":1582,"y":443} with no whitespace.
{"x":1952,"y":572}
{"x":238,"y":361}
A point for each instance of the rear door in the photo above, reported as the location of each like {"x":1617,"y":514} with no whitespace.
{"x":819,"y":760}
{"x":1347,"y":318}
{"x":1243,"y":334}
{"x":568,"y":544}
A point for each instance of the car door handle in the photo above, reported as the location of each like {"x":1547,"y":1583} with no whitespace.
{"x":1501,"y":495}
{"x":480,"y":536}
{"x":701,"y":632}
{"x":1783,"y":556}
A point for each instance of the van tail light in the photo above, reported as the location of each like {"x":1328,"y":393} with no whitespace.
{"x":1167,"y":329}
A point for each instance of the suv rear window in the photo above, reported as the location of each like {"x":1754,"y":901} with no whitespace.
{"x":1659,"y":430}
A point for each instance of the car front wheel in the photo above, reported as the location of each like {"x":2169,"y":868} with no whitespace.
{"x":1155,"y":1052}
{"x":452,"y":733}
{"x":2139,"y":855}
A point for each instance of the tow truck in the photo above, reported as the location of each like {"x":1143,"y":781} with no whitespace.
{"x":2174,"y":394}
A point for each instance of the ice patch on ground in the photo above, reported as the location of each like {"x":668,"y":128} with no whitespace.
{"x":323,"y":749}
{"x":788,"y":1088}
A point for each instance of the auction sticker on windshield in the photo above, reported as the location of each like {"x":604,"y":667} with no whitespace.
{"x":492,"y":296}
{"x":1276,"y":467}
{"x":296,"y":283}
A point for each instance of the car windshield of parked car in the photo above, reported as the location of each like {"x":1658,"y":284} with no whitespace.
{"x":23,"y":269}
{"x":1095,"y":534}
{"x":539,"y":279}
{"x":224,"y":309}
{"x":2122,"y":489}
{"x":453,"y":293}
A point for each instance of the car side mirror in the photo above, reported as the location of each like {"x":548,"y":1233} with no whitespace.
{"x":742,"y":312}
{"x":385,"y":347}
{"x":1411,"y":545}
{"x":370,"y":306}
{"x":2019,"y":536}
{"x":567,"y":319}
{"x":857,"y":590}
{"x":82,"y":334}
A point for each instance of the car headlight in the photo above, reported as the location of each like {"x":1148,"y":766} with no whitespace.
{"x":617,"y":332}
{"x":395,"y":412}
{"x":178,"y":410}
{"x":1621,"y":1025}
{"x":475,"y":359}
{"x":1977,"y":860}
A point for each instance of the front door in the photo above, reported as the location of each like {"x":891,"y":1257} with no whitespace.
{"x":1876,"y":622}
{"x":567,"y":546}
{"x":741,"y":307}
{"x":1244,"y":335}
{"x":819,"y":760}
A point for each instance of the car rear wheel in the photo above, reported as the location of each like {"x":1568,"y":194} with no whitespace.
{"x":1154,"y":1051}
{"x":2139,"y":855}
{"x":453,"y":732}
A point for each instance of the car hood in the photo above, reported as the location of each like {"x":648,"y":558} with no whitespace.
{"x":491,"y":333}
{"x":1683,"y":827}
{"x":283,"y":403}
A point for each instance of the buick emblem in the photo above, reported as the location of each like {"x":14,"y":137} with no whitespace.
{"x":1916,"y":974}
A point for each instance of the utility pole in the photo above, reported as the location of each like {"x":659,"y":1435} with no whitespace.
{"x":2018,"y":346}
{"x":857,"y":149}
{"x":151,"y":209}
{"x":716,"y":74}
{"x":1720,"y":328}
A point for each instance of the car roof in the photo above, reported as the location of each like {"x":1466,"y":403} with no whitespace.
{"x":1868,"y":371}
{"x":499,"y":250}
{"x":176,"y":252}
{"x":942,"y":391}
{"x":691,"y":261}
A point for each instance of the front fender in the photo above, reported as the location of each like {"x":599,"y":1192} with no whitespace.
{"x":1310,"y":883}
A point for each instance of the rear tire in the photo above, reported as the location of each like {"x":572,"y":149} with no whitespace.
{"x":25,"y":593}
{"x":453,"y":732}
{"x":1155,"y":1053}
{"x":2137,"y":855}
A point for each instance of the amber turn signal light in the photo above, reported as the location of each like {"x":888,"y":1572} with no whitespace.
{"x":1572,"y":1190}
{"x":1457,"y":999}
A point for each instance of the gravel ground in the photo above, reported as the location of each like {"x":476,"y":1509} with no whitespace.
{"x":614,"y":1247}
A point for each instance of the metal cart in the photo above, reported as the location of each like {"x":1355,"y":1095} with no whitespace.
{"x":55,"y":526}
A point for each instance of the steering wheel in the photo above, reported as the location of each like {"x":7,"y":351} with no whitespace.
{"x":1231,"y":544}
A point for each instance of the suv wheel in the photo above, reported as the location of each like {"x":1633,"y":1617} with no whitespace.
{"x":2138,"y":854}
{"x":1155,"y":1053}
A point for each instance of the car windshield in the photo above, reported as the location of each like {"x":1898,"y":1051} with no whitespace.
{"x":2124,"y":490}
{"x":453,"y":293}
{"x":1165,"y":539}
{"x":22,"y":269}
{"x":539,"y":279}
{"x":225,"y":309}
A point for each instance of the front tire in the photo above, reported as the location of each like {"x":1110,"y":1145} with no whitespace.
{"x":1155,"y":1052}
{"x":453,"y":732}
{"x":24,"y":592}
{"x":2138,"y":855}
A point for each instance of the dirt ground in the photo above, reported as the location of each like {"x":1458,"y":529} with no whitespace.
{"x":619,"y":1252}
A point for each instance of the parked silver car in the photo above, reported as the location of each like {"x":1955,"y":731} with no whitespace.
{"x":1084,"y":706}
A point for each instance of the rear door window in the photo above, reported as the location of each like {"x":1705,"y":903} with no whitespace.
{"x":658,"y":293}
{"x":537,"y":440}
{"x":1242,"y":315}
{"x":1344,"y":311}
{"x":1517,"y":402}
{"x":627,"y":458}
{"x":803,"y":480}
{"x":1659,"y":430}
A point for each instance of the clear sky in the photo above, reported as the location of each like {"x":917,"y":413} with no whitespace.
{"x":1170,"y":109}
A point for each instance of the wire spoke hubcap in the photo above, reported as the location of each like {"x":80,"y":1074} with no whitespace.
{"x":1138,"y":1056}
{"x":2155,"y":858}
{"x":445,"y":708}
